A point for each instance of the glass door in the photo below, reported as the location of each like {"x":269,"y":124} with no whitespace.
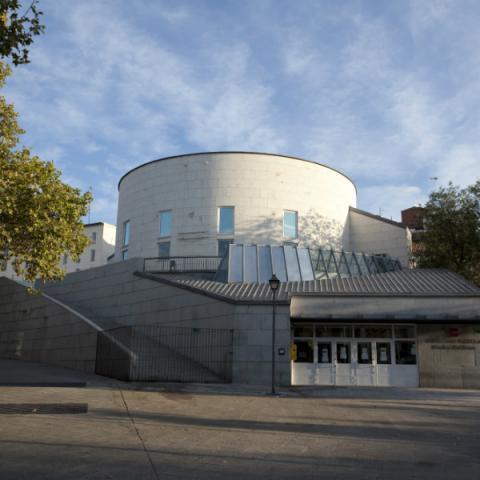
{"x":365,"y":364}
{"x":343,"y":363}
{"x":324,"y":366}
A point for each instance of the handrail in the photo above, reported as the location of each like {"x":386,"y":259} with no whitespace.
{"x":181,"y":264}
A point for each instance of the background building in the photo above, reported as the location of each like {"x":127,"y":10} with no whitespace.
{"x":102,"y":245}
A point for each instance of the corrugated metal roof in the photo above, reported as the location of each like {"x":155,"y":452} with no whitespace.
{"x":420,"y":282}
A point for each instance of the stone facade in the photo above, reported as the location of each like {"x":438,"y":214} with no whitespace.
{"x":38,"y":328}
{"x":449,"y":355}
{"x":260,"y":187}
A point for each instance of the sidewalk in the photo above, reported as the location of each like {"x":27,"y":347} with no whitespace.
{"x":208,"y":432}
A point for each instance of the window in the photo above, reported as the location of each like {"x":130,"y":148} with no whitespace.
{"x":290,"y":224}
{"x":384,"y":356}
{"x":324,"y":353}
{"x":93,"y":237}
{"x":373,"y":331}
{"x":343,"y":353}
{"x":164,"y":249}
{"x":304,"y":351}
{"x":404,"y":331}
{"x":165,"y":223}
{"x":92,"y":255}
{"x":126,"y":233}
{"x":333,"y":331}
{"x":124,"y":254}
{"x":223,"y":246}
{"x":364,"y":352}
{"x":405,"y":353}
{"x":65,"y":259}
{"x":226,"y":220}
{"x":303,"y":331}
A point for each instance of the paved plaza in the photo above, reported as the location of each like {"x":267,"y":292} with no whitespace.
{"x":224,"y":432}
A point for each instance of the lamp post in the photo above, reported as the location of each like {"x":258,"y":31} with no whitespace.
{"x":274,"y":284}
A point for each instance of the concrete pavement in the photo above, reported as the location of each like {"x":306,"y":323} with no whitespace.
{"x":220,"y":432}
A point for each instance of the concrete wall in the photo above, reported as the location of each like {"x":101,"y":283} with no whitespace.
{"x":112,"y":295}
{"x":376,"y":236}
{"x":35,"y":328}
{"x":253,"y":345}
{"x":259,"y":186}
{"x":449,"y":361}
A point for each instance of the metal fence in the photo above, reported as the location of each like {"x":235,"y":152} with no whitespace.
{"x":181,"y":264}
{"x":158,"y":353}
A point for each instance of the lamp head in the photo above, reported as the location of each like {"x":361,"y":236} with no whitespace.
{"x":274,"y":283}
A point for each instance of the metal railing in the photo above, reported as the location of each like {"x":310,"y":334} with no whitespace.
{"x":181,"y":264}
{"x":158,"y":353}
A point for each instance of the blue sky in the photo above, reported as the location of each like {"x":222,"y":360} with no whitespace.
{"x":387,"y":92}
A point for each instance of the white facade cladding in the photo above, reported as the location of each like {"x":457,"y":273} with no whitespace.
{"x":196,"y":204}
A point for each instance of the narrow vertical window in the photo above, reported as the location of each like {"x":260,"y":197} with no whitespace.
{"x":226,"y":220}
{"x":126,"y":233}
{"x":92,"y":255}
{"x":290,"y":222}
{"x":94,"y":237}
{"x":223,"y":246}
{"x":165,"y":223}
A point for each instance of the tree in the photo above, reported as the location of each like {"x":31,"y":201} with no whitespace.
{"x":17,"y":30}
{"x":452,"y":231}
{"x":40,"y":216}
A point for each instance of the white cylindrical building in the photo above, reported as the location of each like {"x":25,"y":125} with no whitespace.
{"x":196,"y":204}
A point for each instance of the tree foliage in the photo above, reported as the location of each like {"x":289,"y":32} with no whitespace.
{"x":452,"y":231}
{"x":40,"y":216}
{"x":18,"y":29}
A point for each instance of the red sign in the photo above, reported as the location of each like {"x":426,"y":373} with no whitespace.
{"x":454,"y":332}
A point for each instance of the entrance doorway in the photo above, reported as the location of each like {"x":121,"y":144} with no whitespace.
{"x":363,"y":355}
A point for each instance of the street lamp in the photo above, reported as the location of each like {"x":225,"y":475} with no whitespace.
{"x":274,"y":284}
